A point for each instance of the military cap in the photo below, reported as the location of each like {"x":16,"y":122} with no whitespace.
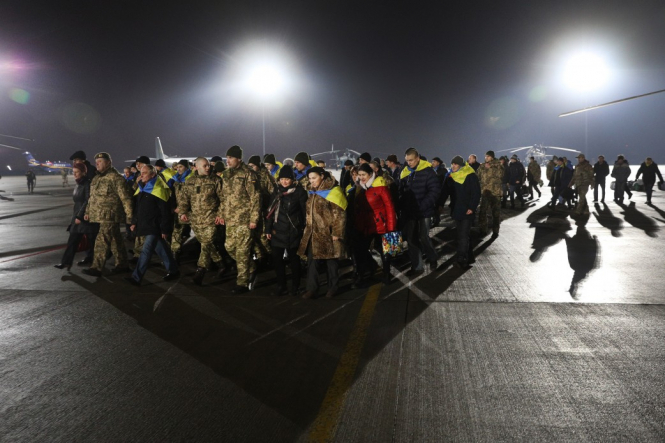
{"x":104,"y":155}
{"x":78,"y":154}
{"x":491,"y":154}
{"x":161,"y":163}
{"x":270,"y":158}
{"x":286,"y":172}
{"x":216,"y":158}
{"x":302,"y":157}
{"x":365,"y":156}
{"x":184,"y":162}
{"x":458,"y":160}
{"x":234,"y":151}
{"x":254,"y":160}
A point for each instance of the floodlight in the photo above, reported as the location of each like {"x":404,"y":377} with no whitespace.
{"x":586,"y":71}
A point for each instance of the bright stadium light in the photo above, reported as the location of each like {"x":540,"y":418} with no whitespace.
{"x":586,"y":71}
{"x":266,"y":81}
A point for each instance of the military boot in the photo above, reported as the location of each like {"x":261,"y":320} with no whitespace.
{"x":198,"y":276}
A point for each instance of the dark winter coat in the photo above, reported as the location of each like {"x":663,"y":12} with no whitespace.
{"x":466,"y":196}
{"x":81,"y":196}
{"x":621,"y":172}
{"x":506,"y":174}
{"x":374,"y":212}
{"x":152,"y":215}
{"x":324,"y":220}
{"x":91,"y":170}
{"x":601,"y":171}
{"x":649,"y":173}
{"x":418,"y":194}
{"x":516,"y":173}
{"x":290,"y":210}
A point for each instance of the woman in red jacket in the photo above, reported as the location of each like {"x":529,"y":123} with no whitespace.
{"x":374,"y":215}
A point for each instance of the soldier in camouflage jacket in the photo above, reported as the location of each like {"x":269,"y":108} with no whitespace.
{"x":582,"y":179}
{"x":491,"y":174}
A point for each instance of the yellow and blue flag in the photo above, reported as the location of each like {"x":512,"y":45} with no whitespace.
{"x":334,"y":195}
{"x":156,"y":187}
{"x":461,"y":173}
{"x":406,"y":171}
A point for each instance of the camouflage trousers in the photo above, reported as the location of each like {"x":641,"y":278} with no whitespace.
{"x":206,"y":236}
{"x":582,"y":205}
{"x":109,"y":237}
{"x":239,"y":246}
{"x":493,"y":203}
{"x":138,"y":246}
{"x":176,"y":237}
{"x":261,"y":244}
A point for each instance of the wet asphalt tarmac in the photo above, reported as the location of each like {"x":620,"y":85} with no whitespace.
{"x":557,"y":333}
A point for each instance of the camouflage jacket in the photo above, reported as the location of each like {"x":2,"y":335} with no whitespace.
{"x":534,"y":170}
{"x":110,"y":199}
{"x":491,"y":176}
{"x":550,"y":169}
{"x":242,"y":197}
{"x":583,"y":175}
{"x":199,"y":198}
{"x":266,"y":186}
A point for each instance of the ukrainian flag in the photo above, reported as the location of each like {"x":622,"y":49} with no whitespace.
{"x":275,"y":171}
{"x":156,"y":187}
{"x":334,"y":195}
{"x":406,"y":171}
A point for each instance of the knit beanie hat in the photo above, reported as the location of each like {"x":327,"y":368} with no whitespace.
{"x":219,"y":166}
{"x":270,"y":158}
{"x":490,"y":153}
{"x":254,"y":160}
{"x":143,"y":159}
{"x":184,"y":162}
{"x":458,"y":160}
{"x":286,"y":172}
{"x":302,"y":157}
{"x":78,"y":154}
{"x":365,"y":156}
{"x":235,"y":152}
{"x":161,"y":163}
{"x":216,"y":158}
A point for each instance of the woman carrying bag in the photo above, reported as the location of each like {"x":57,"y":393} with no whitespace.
{"x":374,"y":216}
{"x":78,"y":227}
{"x":284,"y":227}
{"x":323,"y":240}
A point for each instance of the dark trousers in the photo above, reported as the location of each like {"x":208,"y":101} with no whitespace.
{"x":516,"y":189}
{"x":533,"y":185}
{"x":648,"y":188}
{"x":464,"y":247}
{"x":154,"y":244}
{"x":72,"y":245}
{"x":600,"y":182}
{"x":627,"y":189}
{"x":364,"y":254}
{"x":417,"y":236}
{"x":31,"y":186}
{"x":619,"y":189}
{"x":332,"y":266}
{"x":280,"y":266}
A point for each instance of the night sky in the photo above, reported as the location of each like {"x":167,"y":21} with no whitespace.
{"x":445,"y":77}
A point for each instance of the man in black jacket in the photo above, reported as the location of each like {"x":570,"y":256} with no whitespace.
{"x":600,"y":170}
{"x":419,"y":190}
{"x":516,"y":176}
{"x":465,"y":197}
{"x":649,"y":170}
{"x":152,"y":220}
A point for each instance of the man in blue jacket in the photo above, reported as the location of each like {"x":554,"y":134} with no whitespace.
{"x":465,"y":197}
{"x":419,"y":190}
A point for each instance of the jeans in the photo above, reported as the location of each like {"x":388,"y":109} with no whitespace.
{"x":464,"y":247}
{"x":416,"y":233}
{"x":154,"y":243}
{"x":600,"y":182}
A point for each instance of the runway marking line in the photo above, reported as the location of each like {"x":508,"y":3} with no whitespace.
{"x":325,"y":425}
{"x":36,"y":253}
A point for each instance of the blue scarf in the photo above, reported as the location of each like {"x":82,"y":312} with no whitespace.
{"x":302,"y":174}
{"x":180,"y":178}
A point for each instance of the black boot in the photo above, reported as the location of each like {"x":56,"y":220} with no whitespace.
{"x":198,"y":276}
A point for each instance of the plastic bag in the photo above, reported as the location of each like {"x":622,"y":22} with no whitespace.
{"x":392,"y":243}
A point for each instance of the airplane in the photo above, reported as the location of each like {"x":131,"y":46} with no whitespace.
{"x":168,"y":159}
{"x":47,"y":166}
{"x":539,"y":152}
{"x":338,"y":159}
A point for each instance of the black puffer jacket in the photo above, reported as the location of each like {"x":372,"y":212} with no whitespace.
{"x":649,"y":173}
{"x":286,"y":216}
{"x":152,"y":215}
{"x":81,"y":196}
{"x":418,"y":194}
{"x":516,"y":173}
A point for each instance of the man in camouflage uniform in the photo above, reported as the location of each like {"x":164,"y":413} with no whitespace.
{"x":198,"y":203}
{"x":108,"y":197}
{"x":491,"y":174}
{"x":239,"y":212}
{"x":533,"y":175}
{"x":549,"y":172}
{"x":180,"y":228}
{"x":582,"y":179}
{"x":266,"y":187}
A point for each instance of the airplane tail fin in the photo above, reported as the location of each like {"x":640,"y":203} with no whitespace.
{"x":31,"y":160}
{"x":159,"y":152}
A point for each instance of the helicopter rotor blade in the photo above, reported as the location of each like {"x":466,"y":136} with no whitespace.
{"x":566,"y":114}
{"x":513,"y":149}
{"x":563,"y":149}
{"x":522,"y":149}
{"x":18,"y":138}
{"x":11,"y":147}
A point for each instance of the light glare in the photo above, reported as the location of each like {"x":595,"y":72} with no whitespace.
{"x":586,"y":71}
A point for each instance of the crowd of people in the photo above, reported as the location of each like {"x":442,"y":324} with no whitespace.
{"x":263,"y":213}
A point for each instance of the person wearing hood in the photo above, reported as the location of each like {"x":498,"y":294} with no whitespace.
{"x":419,"y":191}
{"x":465,"y":197}
{"x":78,"y":226}
{"x":110,"y":204}
{"x":649,"y":170}
{"x":285,"y":223}
{"x":582,"y":179}
{"x":374,"y":215}
{"x":323,"y":239}
{"x":620,"y":172}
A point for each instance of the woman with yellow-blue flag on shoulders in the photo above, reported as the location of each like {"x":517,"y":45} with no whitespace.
{"x":152,"y":219}
{"x":464,"y":190}
{"x":323,"y":239}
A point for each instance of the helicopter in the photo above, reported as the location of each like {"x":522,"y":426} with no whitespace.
{"x":338,"y":157}
{"x":539,"y":152}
